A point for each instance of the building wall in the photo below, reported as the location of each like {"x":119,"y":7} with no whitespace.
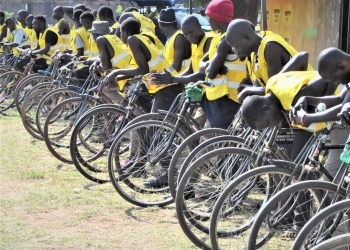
{"x":45,"y":7}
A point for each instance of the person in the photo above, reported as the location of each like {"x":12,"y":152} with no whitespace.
{"x":334,"y":66}
{"x":147,"y":24}
{"x":149,"y":12}
{"x":81,"y":42}
{"x":21,"y":18}
{"x":62,"y":26}
{"x":269,"y":107}
{"x":69,"y":10}
{"x":3,"y":29}
{"x":105,"y":13}
{"x":33,"y":36}
{"x":16,"y":36}
{"x":220,"y":103}
{"x":200,"y":41}
{"x":49,"y":42}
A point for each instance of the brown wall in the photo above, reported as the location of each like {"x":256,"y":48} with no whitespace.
{"x":308,"y":25}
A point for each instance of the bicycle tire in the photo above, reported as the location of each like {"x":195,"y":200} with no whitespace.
{"x":49,"y":101}
{"x":197,"y":230}
{"x":237,"y":191}
{"x":7,"y":88}
{"x":286,"y":193}
{"x":29,"y":81}
{"x":335,"y":243}
{"x":333,"y":209}
{"x":181,"y":152}
{"x":121,"y":178}
{"x":97,"y":146}
{"x":29,"y":108}
{"x":58,"y":142}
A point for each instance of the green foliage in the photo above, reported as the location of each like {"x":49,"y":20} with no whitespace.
{"x":8,"y":14}
{"x":119,"y":9}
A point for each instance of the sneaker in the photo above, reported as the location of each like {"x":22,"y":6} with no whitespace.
{"x":27,"y":88}
{"x":189,"y":193}
{"x":160,"y":182}
{"x":290,"y":234}
{"x":2,"y":99}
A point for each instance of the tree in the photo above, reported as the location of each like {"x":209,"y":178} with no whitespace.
{"x":8,"y":14}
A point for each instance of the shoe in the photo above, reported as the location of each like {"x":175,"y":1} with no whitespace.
{"x":189,"y":193}
{"x":2,"y":99}
{"x":27,"y":88}
{"x":290,"y":234}
{"x":160,"y":182}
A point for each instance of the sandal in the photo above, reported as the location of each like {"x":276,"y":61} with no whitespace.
{"x":291,"y":234}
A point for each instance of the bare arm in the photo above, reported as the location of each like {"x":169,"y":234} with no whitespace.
{"x":104,"y":55}
{"x":218,"y":61}
{"x":42,"y":51}
{"x":68,"y":10}
{"x":181,"y":46}
{"x":62,"y":27}
{"x":273,"y":57}
{"x":299,"y":62}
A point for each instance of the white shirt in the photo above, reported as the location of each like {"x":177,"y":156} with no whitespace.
{"x":20,"y":37}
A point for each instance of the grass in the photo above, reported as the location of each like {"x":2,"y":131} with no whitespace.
{"x":46,"y":204}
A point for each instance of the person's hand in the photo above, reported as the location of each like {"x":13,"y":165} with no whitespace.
{"x":93,"y":68}
{"x":244,"y":84}
{"x":110,"y":78}
{"x":299,"y":117}
{"x":82,"y":58}
{"x":161,"y":78}
{"x":344,"y":115}
{"x":301,"y":104}
{"x":248,"y":92}
{"x":31,"y":54}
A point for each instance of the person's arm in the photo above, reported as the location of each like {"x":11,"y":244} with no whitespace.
{"x":248,"y":91}
{"x":68,"y":10}
{"x":299,"y":62}
{"x":139,"y":57}
{"x":180,"y":46}
{"x":17,"y":39}
{"x":218,"y":61}
{"x":273,"y":57}
{"x":344,"y":114}
{"x":104,"y":54}
{"x":63,"y":26}
{"x":3,"y":33}
{"x":79,"y":44}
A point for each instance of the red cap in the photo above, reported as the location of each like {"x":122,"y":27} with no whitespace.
{"x":220,"y":10}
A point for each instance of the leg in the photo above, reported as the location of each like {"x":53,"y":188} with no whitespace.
{"x":22,"y":63}
{"x":82,"y":74}
{"x":40,"y":64}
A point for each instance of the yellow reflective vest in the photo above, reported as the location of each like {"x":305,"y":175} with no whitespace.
{"x":285,"y":86}
{"x":169,"y":52}
{"x":85,"y":37}
{"x":58,"y":46}
{"x":121,"y":58}
{"x":11,"y":38}
{"x":198,"y":52}
{"x":225,"y":85}
{"x":146,"y":23}
{"x":157,"y":63}
{"x":257,"y":66}
{"x":93,"y":49}
{"x":66,"y":38}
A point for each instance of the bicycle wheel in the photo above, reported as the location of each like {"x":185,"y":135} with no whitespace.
{"x":29,"y":108}
{"x":201,"y":185}
{"x":24,"y":87}
{"x":184,"y":149}
{"x":340,"y":242}
{"x":8,"y":83}
{"x":332,"y":221}
{"x":59,"y":125}
{"x":49,"y":101}
{"x":239,"y":203}
{"x":91,"y":139}
{"x":303,"y":199}
{"x":141,"y":143}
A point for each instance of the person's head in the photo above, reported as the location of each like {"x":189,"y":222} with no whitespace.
{"x":22,"y":15}
{"x":29,"y":21}
{"x":86,"y":19}
{"x":2,"y":17}
{"x":219,"y":11}
{"x":241,"y":37}
{"x":192,"y":29}
{"x":10,"y":23}
{"x":334,"y":65}
{"x":39,"y":23}
{"x":76,"y":16}
{"x":129,"y":27}
{"x":262,"y":112}
{"x":105,"y":13}
{"x":148,"y":9}
{"x":58,"y":13}
{"x":100,"y":28}
{"x":131,"y":9}
{"x":167,"y":19}
{"x":80,"y":7}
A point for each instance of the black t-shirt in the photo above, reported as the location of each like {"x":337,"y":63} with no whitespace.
{"x":51,"y":37}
